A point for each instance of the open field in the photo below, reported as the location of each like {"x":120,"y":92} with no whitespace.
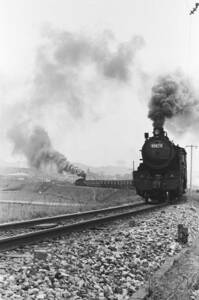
{"x":25,"y":194}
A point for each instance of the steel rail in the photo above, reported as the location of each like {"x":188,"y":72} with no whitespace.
{"x":40,"y":235}
{"x":64,"y":217}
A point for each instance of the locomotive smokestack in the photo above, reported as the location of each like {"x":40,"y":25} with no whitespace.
{"x":158,"y":131}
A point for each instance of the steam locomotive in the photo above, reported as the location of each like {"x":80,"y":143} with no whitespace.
{"x":162,"y":175}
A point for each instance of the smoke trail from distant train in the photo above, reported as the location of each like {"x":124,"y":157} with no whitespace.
{"x":35,"y":144}
{"x":72,"y":70}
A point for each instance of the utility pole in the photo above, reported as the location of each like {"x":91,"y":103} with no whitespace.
{"x":133,"y":168}
{"x":191,"y":161}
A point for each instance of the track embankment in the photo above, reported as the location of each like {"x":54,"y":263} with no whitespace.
{"x":20,"y":233}
{"x":104,"y":261}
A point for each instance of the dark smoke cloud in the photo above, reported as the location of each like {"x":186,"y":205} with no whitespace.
{"x":37,"y":148}
{"x":61,"y":63}
{"x":118,"y":66}
{"x":74,"y":50}
{"x":173,"y":97}
{"x":69,"y":67}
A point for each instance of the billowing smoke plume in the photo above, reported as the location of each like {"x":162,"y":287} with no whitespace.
{"x":37,"y":148}
{"x":173,"y":97}
{"x":70,"y":65}
{"x":70,"y":73}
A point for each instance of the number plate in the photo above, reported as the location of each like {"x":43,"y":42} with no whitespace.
{"x":156,"y":145}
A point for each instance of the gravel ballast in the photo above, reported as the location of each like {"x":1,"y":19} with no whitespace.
{"x":106,"y":262}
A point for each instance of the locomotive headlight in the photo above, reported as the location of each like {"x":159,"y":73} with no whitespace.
{"x":157,"y":131}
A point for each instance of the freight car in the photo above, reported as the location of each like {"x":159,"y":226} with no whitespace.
{"x":162,"y":175}
{"x":117,"y":184}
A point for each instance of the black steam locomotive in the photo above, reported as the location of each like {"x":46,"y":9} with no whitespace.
{"x":162,"y":175}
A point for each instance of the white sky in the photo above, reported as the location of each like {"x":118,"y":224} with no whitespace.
{"x":171,"y":42}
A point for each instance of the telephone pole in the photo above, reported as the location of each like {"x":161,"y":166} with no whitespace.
{"x":133,"y":168}
{"x":191,"y":161}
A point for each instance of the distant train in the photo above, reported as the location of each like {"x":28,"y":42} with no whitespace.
{"x":162,"y":175}
{"x":117,"y":184}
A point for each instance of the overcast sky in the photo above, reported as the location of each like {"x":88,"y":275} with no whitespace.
{"x":115,"y":110}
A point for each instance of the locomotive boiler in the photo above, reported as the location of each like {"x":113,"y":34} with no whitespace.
{"x":163,"y":172}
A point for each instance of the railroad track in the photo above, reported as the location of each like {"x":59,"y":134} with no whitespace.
{"x":15,"y":234}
